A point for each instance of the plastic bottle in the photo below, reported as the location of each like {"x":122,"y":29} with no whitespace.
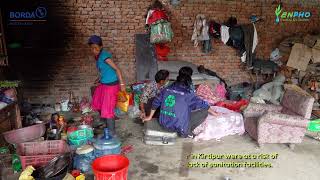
{"x":106,"y":134}
{"x":16,"y":163}
{"x":4,"y":150}
{"x":107,"y":145}
{"x":83,"y":158}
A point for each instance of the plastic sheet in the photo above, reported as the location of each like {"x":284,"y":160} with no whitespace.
{"x":133,"y":112}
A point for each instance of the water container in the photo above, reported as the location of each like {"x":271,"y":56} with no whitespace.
{"x":116,"y":167}
{"x":83,"y":158}
{"x":106,"y":145}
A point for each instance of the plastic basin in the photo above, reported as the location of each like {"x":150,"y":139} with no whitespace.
{"x":25,"y":134}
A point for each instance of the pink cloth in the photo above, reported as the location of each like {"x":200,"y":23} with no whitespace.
{"x":233,"y":105}
{"x":206,"y":93}
{"x":220,"y":91}
{"x":215,"y":127}
{"x":105,"y":100}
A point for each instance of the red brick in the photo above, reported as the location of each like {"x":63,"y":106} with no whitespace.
{"x":118,"y":21}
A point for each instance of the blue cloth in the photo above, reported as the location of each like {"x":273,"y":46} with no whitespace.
{"x":176,"y":103}
{"x":5,"y":99}
{"x":94,"y":39}
{"x":107,"y":73}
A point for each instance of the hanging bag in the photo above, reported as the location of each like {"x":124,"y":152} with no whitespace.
{"x":161,"y":32}
{"x":157,"y":15}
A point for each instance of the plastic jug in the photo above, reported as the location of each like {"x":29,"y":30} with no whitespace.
{"x":106,"y":145}
{"x":83,"y":158}
{"x":65,"y":105}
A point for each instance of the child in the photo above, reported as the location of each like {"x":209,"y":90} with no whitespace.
{"x":105,"y":95}
{"x":151,"y":90}
{"x":186,"y":70}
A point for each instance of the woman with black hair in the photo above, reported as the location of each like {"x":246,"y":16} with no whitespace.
{"x":180,"y":108}
{"x":151,"y":90}
{"x":186,"y":70}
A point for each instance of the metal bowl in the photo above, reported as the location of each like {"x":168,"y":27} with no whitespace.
{"x":84,"y":126}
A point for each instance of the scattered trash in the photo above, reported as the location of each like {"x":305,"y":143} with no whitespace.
{"x":26,"y":174}
{"x":126,"y":149}
{"x":16,"y":163}
{"x":65,"y":105}
{"x":133,"y":112}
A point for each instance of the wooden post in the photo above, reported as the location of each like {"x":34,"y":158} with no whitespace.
{"x":3,"y":49}
{"x":17,"y":119}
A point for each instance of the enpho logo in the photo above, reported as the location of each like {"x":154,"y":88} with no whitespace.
{"x":291,"y":16}
{"x":39,"y":13}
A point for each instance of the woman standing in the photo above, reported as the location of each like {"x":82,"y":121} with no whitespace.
{"x":110,"y":77}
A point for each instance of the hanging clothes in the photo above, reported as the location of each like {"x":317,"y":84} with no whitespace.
{"x":225,"y":34}
{"x":251,"y":42}
{"x":255,"y":39}
{"x":207,"y":46}
{"x":148,"y":15}
{"x":201,"y":30}
{"x":236,"y":35}
{"x":215,"y":29}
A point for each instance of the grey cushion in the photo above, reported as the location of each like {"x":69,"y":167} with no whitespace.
{"x":174,"y":66}
{"x":198,"y":78}
{"x":173,"y":76}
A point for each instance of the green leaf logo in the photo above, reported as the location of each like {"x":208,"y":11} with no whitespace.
{"x":278,"y":12}
{"x":170,"y":101}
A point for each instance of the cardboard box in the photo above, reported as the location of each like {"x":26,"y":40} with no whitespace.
{"x":317,"y":45}
{"x":300,"y":57}
{"x":315,"y":55}
{"x":309,"y":40}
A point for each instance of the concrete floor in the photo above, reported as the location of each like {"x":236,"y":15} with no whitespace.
{"x":170,"y":162}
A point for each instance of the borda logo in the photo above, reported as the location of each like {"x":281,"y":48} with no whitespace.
{"x":38,"y":13}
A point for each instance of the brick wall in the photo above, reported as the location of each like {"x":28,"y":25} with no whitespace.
{"x":118,"y":20}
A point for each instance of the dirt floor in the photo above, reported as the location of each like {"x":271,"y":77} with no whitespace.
{"x":171,"y":162}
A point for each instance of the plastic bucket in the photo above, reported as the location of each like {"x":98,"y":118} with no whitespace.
{"x":111,"y":167}
{"x":314,"y":125}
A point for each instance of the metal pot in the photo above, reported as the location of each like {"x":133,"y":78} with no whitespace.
{"x":56,"y":166}
{"x":84,"y":126}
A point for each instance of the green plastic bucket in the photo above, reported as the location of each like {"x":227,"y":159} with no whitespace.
{"x":314,"y":125}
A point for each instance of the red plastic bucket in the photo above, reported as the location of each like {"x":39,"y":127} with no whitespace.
{"x":111,"y":167}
